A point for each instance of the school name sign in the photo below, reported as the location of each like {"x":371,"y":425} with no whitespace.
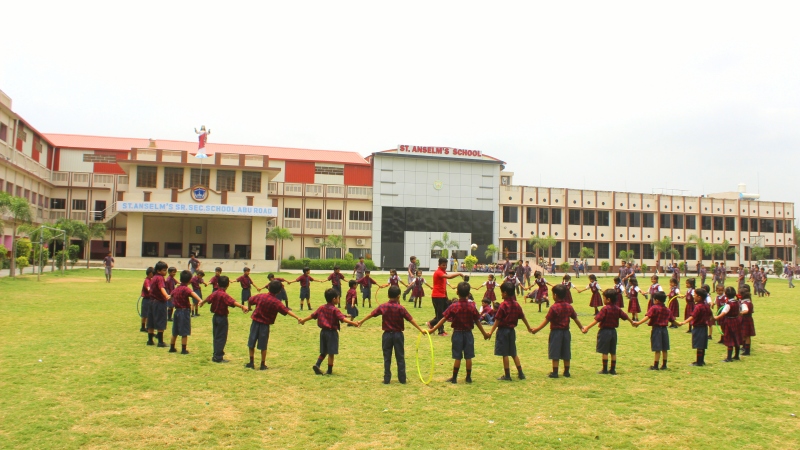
{"x":196,"y":208}
{"x":444,"y":152}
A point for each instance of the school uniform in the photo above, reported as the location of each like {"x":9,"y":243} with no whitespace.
{"x":741,"y":278}
{"x":731,"y":321}
{"x":145,"y":294}
{"x":633,"y":300}
{"x":653,"y":289}
{"x":746,"y":326}
{"x":214,"y":282}
{"x":541,"y":292}
{"x":366,"y":283}
{"x":418,"y":285}
{"x":336,"y":282}
{"x":674,"y":304}
{"x":660,"y":316}
{"x":560,"y":340}
{"x":687,"y":311}
{"x":282,"y":294}
{"x":569,"y":286}
{"x":596,"y":300}
{"x":195,"y":282}
{"x":157,"y":316}
{"x":181,"y":319}
{"x":489,"y":294}
{"x":267,"y":308}
{"x":700,"y":317}
{"x":507,"y":318}
{"x":487,"y":314}
{"x":703,"y":275}
{"x":619,"y":289}
{"x":463,"y":318}
{"x":394,"y":280}
{"x":393,"y":340}
{"x":351,"y":303}
{"x":608,"y":321}
{"x":328,"y":318}
{"x":169,"y":284}
{"x":246,"y":282}
{"x":305,"y":286}
{"x":220,"y":301}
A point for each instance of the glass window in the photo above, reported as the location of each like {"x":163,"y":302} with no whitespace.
{"x":677,"y":221}
{"x":510,"y":214}
{"x":313,"y":214}
{"x":622,"y":219}
{"x":778,"y":227}
{"x":146,"y":176}
{"x":574,"y":217}
{"x":621,"y":247}
{"x":334,"y":214}
{"x":173,"y":178}
{"x":312,"y":252}
{"x":754,"y":225}
{"x":679,"y":248}
{"x":333,"y":253}
{"x":637,"y":250}
{"x":705,"y":222}
{"x":251,"y":182}
{"x":359,"y":252}
{"x":555,"y":218}
{"x":635,"y":219}
{"x":544,"y":215}
{"x":730,"y":224}
{"x":200,"y":177}
{"x":226,"y":180}
{"x":648,"y":220}
{"x":58,"y":203}
{"x":150,"y":249}
{"x":767,"y":226}
{"x":602,"y":218}
{"x":291,"y":213}
{"x":744,"y":224}
{"x":574,"y":249}
{"x":363,"y":216}
{"x":556,"y":251}
{"x":691,"y":253}
{"x":588,"y":217}
{"x":691,"y":222}
{"x":665,"y":221}
{"x":530,"y":215}
{"x":648,"y":252}
{"x":79,"y":204}
{"x":603,"y":250}
{"x":718,"y":223}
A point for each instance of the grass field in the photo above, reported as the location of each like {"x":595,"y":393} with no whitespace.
{"x":75,"y":372}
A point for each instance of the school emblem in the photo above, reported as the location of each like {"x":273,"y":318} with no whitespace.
{"x":438,"y":184}
{"x":199,"y":193}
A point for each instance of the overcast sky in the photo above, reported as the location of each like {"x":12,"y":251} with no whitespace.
{"x":616,"y":96}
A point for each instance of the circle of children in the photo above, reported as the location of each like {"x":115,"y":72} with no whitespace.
{"x":165,"y":298}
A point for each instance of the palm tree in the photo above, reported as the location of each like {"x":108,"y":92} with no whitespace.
{"x":626,"y":256}
{"x":444,"y":244}
{"x":758,"y":253}
{"x":336,"y":241}
{"x":89,"y":232}
{"x":280,"y":234}
{"x":723,"y":249}
{"x":38,"y":234}
{"x":491,"y":250}
{"x":543,"y":243}
{"x":20,"y":209}
{"x":664,"y":246}
{"x":695,"y":241}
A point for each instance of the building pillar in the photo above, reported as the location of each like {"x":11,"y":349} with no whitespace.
{"x":258,"y":240}
{"x":135,"y":232}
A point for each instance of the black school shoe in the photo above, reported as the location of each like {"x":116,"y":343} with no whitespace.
{"x":566,"y":374}
{"x":317,"y":370}
{"x":552,"y":375}
{"x":162,"y":344}
{"x":452,"y":380}
{"x":173,"y":350}
{"x":603,"y":372}
{"x":612,"y":372}
{"x":249,"y":366}
{"x":505,"y":378}
{"x":143,"y":330}
{"x":220,"y":361}
{"x":263,"y":367}
{"x":697,"y":364}
{"x":653,"y":368}
{"x":184,"y":352}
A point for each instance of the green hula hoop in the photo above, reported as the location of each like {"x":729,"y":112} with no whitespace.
{"x":716,"y":322}
{"x":139,"y":306}
{"x":419,"y":370}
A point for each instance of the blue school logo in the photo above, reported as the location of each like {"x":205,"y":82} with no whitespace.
{"x":199,"y":193}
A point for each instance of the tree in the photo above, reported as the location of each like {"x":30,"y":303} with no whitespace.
{"x":626,"y":256}
{"x":470,"y":261}
{"x":723,"y":249}
{"x":543,"y":243}
{"x":22,"y":263}
{"x":444,"y":244}
{"x":586,"y":253}
{"x":664,"y":247}
{"x":605,"y":266}
{"x":564,"y":266}
{"x":20,"y":210}
{"x":759,"y":253}
{"x":336,"y":241}
{"x":88,"y":232}
{"x":279,"y":234}
{"x":491,"y":250}
{"x":796,"y":238}
{"x":695,"y":241}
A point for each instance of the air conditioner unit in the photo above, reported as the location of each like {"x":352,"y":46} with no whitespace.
{"x":319,"y":240}
{"x":359,"y":242}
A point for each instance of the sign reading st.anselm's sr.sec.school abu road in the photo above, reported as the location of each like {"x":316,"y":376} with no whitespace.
{"x":443,"y":152}
{"x":193,"y":208}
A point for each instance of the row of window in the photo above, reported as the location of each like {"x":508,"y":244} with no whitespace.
{"x":533,"y":215}
{"x":147,"y":177}
{"x":331,"y":214}
{"x":19,"y":191}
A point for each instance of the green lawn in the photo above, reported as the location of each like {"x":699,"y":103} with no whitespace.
{"x":75,"y":372}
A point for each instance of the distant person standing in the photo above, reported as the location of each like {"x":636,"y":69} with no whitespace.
{"x":358,"y":271}
{"x":519,"y":272}
{"x":412,"y":275}
{"x":108,"y":264}
{"x":194,"y":263}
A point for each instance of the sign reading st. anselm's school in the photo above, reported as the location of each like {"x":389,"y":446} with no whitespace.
{"x":442,"y":152}
{"x":193,"y":208}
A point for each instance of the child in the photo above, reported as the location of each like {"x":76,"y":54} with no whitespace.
{"x":351,"y":301}
{"x":336,"y":281}
{"x":267,"y":307}
{"x":560,"y":339}
{"x":246,"y":282}
{"x":220,"y":301}
{"x":541,"y":293}
{"x":489,"y":284}
{"x":393,"y":314}
{"x":487,"y":313}
{"x":145,"y":306}
{"x":566,"y":281}
{"x":608,"y":318}
{"x":214,"y":280}
{"x":157,"y":317}
{"x":196,"y":281}
{"x":328,"y":317}
{"x":658,"y":317}
{"x":282,"y":294}
{"x":619,"y":288}
{"x":305,"y":287}
{"x":596,"y":301}
{"x":687,"y":311}
{"x":633,"y":298}
{"x":417,"y":290}
{"x":654,"y":287}
{"x":707,"y":299}
{"x":463,"y":317}
{"x":169,"y":285}
{"x":674,"y":293}
{"x":366,"y":283}
{"x":731,"y":330}
{"x":394,"y":280}
{"x":505,"y":323}
{"x":182,"y":323}
{"x":720,"y":303}
{"x":700,"y":316}
{"x":747,"y":326}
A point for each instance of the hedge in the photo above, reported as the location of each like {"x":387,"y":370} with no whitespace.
{"x":324,"y":264}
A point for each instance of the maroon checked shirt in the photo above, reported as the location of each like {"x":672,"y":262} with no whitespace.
{"x":609,"y":316}
{"x":559,"y":315}
{"x":660,"y":315}
{"x":508,"y":314}
{"x":267,"y":308}
{"x":156,"y":283}
{"x":181,"y":296}
{"x":462,"y":315}
{"x":328,"y":316}
{"x":220,"y":302}
{"x":393,"y":314}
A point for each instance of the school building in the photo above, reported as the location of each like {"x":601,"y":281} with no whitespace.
{"x":158,"y":200}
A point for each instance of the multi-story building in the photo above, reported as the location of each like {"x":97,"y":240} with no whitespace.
{"x":158,"y":200}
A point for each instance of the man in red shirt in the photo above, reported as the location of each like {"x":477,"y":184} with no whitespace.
{"x":560,"y":341}
{"x":266,"y":310}
{"x":220,"y":302}
{"x":393,"y":339}
{"x":439,"y":292}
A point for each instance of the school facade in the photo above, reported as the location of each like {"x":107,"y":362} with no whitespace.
{"x":158,"y":200}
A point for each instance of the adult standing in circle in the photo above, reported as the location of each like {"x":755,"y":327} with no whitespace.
{"x":519,"y":272}
{"x":412,"y":274}
{"x":194,"y":263}
{"x":358,"y":271}
{"x":439,"y":292}
{"x":108,"y":264}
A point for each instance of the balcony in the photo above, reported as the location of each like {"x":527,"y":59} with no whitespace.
{"x":57,"y":214}
{"x":362,"y":226}
{"x":313,"y":224}
{"x":78,"y":215}
{"x":293,"y":189}
{"x":335,"y":191}
{"x":333,"y":225}
{"x":291,"y":223}
{"x":24,"y":162}
{"x":359,"y":192}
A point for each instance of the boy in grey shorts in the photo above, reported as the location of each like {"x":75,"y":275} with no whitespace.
{"x":560,"y":339}
{"x":658,"y":317}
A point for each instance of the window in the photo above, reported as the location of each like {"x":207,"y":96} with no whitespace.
{"x":173,"y":249}
{"x":200,"y":177}
{"x":648,"y":252}
{"x":510,"y":214}
{"x":665,"y":221}
{"x":730,"y":224}
{"x":691,"y":222}
{"x":291,"y":213}
{"x":718,"y":224}
{"x":574,"y":249}
{"x":3,"y":132}
{"x":364,"y":216}
{"x":505,"y":181}
{"x":691,"y":253}
{"x":226,"y":180}
{"x":328,"y":170}
{"x":705,"y":222}
{"x":334,"y":214}
{"x":58,"y":203}
{"x":79,"y":204}
{"x":146,"y":177}
{"x":556,"y":253}
{"x":621,"y":248}
{"x":778,"y":227}
{"x":637,"y":250}
{"x":251,"y":182}
{"x":555,"y":218}
{"x":530,"y":215}
{"x":313,"y":214}
{"x":767,"y":226}
{"x":574,"y":217}
{"x":743,"y":224}
{"x":679,"y":248}
{"x":544,"y":215}
{"x":622,"y":219}
{"x":677,"y":221}
{"x":150,"y":249}
{"x":754,"y":225}
{"x":588,"y":217}
{"x":648,"y":220}
{"x":635,"y":219}
{"x":603,"y":249}
{"x":173,"y":178}
{"x":603,"y":218}
{"x":333,"y":253}
{"x":361,"y":252}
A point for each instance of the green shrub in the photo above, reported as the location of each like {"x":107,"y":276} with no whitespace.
{"x":644,"y":268}
{"x":348,"y":256}
{"x":22,"y":262}
{"x":682,"y":266}
{"x":777,"y":266}
{"x":564,"y":266}
{"x":23,"y":247}
{"x":605,"y":266}
{"x":324,"y":264}
{"x":470,"y":261}
{"x":291,"y":257}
